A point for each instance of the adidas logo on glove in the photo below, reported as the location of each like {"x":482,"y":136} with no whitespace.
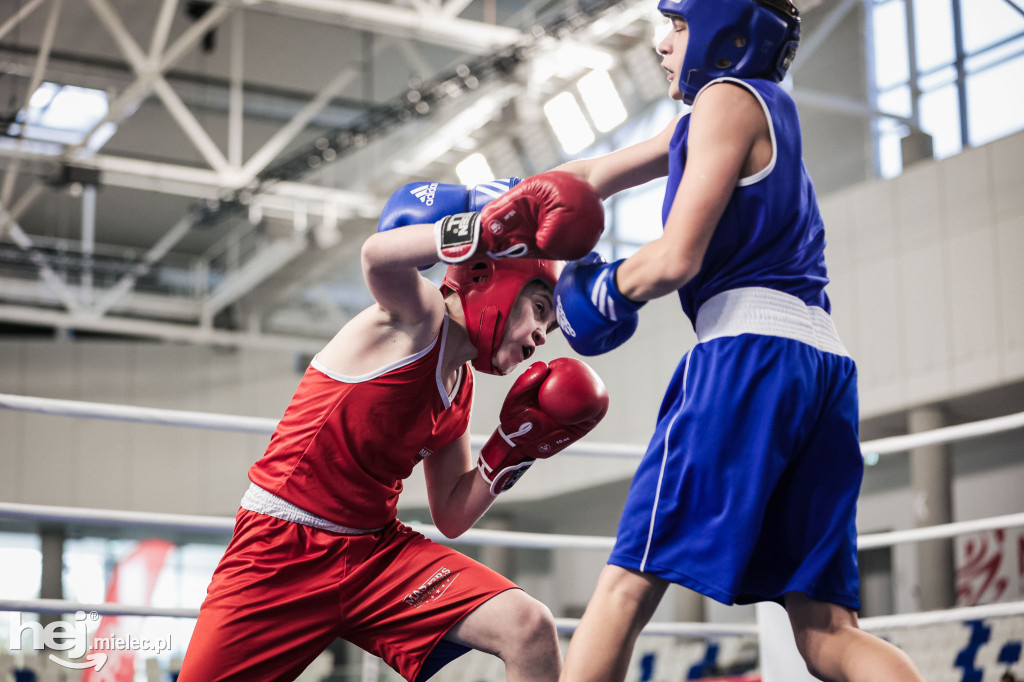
{"x":425,"y":193}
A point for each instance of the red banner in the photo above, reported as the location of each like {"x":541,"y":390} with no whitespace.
{"x":990,"y":567}
{"x":133,"y":582}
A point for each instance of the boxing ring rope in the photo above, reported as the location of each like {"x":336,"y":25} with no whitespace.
{"x":564,"y":626}
{"x":265,"y":426}
{"x":516,"y":539}
{"x":15,"y":511}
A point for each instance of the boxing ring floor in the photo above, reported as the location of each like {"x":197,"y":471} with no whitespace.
{"x":925,"y":634}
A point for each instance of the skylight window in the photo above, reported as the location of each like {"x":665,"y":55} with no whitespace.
{"x":602,"y":100}
{"x":474,"y":170}
{"x":60,"y":113}
{"x":569,"y":123}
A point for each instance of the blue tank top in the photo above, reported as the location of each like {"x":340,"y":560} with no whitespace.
{"x":771,"y":233}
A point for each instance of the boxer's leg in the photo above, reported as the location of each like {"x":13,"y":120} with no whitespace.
{"x":623,"y":602}
{"x":835,"y":648}
{"x":519,"y":630}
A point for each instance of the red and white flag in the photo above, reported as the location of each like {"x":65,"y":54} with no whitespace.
{"x":133,"y":582}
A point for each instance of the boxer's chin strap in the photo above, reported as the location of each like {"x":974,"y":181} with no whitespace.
{"x":486,"y":343}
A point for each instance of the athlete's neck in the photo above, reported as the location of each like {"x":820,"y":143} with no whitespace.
{"x":458,"y":349}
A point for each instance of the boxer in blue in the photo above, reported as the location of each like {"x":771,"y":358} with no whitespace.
{"x":748,"y":489}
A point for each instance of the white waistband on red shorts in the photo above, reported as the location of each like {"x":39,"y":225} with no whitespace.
{"x":757,"y":310}
{"x":258,"y":500}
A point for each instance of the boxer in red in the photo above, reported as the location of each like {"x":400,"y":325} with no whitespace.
{"x":318,"y":551}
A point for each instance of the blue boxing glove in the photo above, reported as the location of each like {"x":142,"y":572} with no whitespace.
{"x":427,"y":202}
{"x":486,"y":192}
{"x":593,"y":314}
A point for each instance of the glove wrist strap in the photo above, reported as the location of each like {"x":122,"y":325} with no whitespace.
{"x":457,"y":236}
{"x":499,"y":464}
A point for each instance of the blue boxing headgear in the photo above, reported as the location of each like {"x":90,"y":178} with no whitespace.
{"x":738,"y":38}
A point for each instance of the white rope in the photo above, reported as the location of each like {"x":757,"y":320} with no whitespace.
{"x":946,"y":530}
{"x":563,"y":625}
{"x":473,"y":536}
{"x":139,"y":415}
{"x":908,"y":620}
{"x":264,"y":426}
{"x":566,"y":626}
{"x":114,"y":517}
{"x":222,"y":524}
{"x":512,"y":538}
{"x":946,"y":434}
{"x":226,"y":422}
{"x":59,"y":606}
{"x":261,"y":426}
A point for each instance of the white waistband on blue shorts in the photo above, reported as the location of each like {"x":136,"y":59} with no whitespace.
{"x":757,"y":310}
{"x":258,"y":500}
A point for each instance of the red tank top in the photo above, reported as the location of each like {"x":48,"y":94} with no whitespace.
{"x":345,"y":444}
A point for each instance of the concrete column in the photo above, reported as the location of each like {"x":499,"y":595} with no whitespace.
{"x":916,"y":146}
{"x":931,"y":488}
{"x":52,"y":583}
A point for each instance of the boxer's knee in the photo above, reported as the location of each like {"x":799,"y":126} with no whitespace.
{"x":531,"y":627}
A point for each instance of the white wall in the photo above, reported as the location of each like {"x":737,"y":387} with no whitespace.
{"x":926,"y":277}
{"x":77,"y":462}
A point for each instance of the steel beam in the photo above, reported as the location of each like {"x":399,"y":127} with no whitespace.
{"x":63,"y":292}
{"x":154,"y":255}
{"x":810,"y":45}
{"x":1015,"y":6}
{"x":960,"y":49}
{"x":162,"y":29}
{"x":88,"y":240}
{"x":179,"y":308}
{"x":200,"y":183}
{"x":159,"y":330}
{"x":18,"y":17}
{"x":148,"y":72}
{"x":473,"y":113}
{"x":265,"y":263}
{"x":45,"y":45}
{"x":843,"y":105}
{"x":453,"y":8}
{"x":205,"y":93}
{"x":236,"y":99}
{"x":24,"y":202}
{"x":131,"y":97}
{"x":276,"y":144}
{"x":433,"y":27}
{"x":9,"y":223}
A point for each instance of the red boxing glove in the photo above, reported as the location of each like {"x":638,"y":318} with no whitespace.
{"x":554,"y":215}
{"x":547,"y":409}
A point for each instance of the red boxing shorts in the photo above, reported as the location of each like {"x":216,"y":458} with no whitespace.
{"x":284,"y":591}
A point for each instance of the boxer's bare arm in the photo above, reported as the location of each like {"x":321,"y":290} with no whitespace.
{"x":627,"y":167}
{"x":457,"y":494}
{"x":408,"y":309}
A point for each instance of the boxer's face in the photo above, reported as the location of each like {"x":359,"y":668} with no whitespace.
{"x":532,"y":319}
{"x":672,"y":49}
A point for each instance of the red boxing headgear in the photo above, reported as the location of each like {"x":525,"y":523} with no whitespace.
{"x":488,"y":290}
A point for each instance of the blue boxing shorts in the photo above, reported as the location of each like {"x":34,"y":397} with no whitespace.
{"x":748,"y":489}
